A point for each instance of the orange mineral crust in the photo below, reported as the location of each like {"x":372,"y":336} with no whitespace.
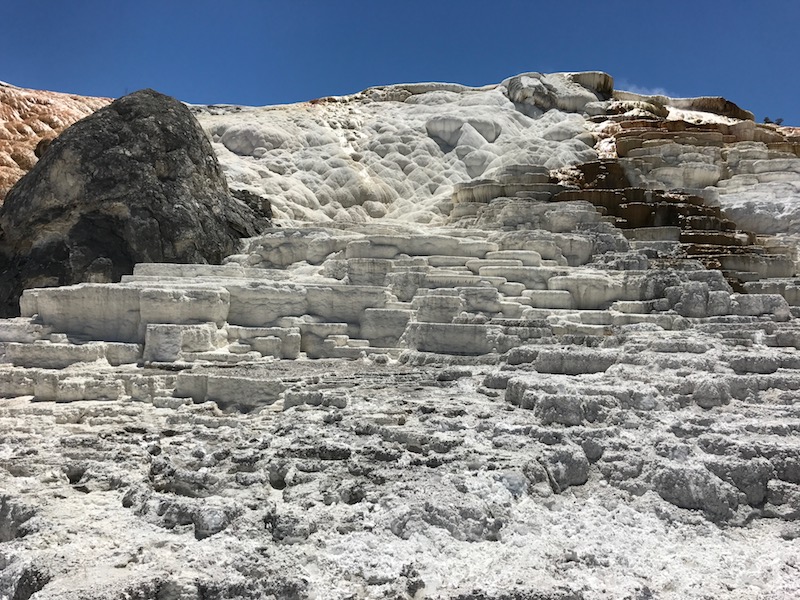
{"x":29,"y":116}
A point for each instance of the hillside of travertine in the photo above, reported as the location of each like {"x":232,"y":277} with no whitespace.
{"x":535,"y":340}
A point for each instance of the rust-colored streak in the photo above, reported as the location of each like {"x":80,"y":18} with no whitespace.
{"x":29,"y":116}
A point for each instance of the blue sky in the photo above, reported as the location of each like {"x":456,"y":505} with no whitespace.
{"x":270,"y":52}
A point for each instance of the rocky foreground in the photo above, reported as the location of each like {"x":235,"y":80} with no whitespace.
{"x":536,"y":340}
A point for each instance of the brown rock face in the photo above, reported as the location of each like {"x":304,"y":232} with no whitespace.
{"x":29,"y":116}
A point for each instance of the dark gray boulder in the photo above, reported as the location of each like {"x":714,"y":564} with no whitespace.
{"x":137,"y":181}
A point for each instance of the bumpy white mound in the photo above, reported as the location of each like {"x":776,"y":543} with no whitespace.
{"x":397,"y":151}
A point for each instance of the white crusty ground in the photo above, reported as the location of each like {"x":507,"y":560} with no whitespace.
{"x":592,"y":541}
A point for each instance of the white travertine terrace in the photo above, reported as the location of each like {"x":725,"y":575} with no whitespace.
{"x":524,"y":340}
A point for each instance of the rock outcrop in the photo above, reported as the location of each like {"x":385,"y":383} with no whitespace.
{"x":30,"y":117}
{"x":135,"y":181}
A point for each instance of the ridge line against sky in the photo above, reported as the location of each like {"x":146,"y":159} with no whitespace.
{"x":274,"y":52}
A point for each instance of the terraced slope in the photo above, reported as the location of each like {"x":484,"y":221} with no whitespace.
{"x":508,"y":342}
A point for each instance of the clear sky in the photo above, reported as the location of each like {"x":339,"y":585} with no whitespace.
{"x":269,"y":52}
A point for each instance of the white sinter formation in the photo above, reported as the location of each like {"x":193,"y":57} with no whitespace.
{"x":537,"y":339}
